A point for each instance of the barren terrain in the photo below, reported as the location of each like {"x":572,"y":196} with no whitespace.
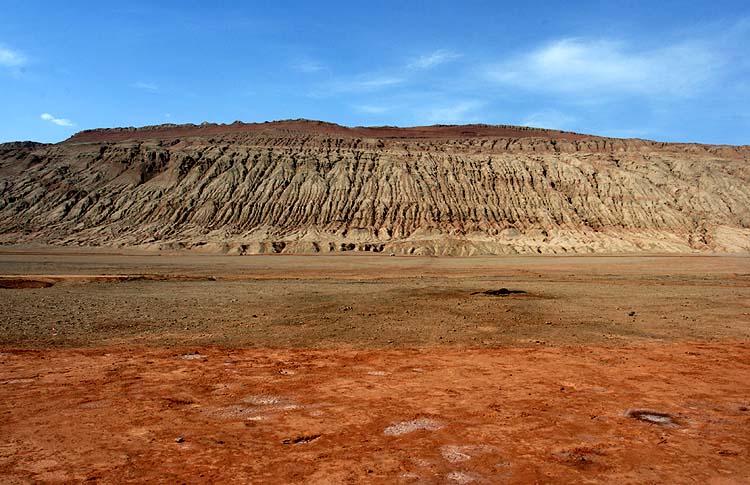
{"x":312,"y":187}
{"x":137,"y":366}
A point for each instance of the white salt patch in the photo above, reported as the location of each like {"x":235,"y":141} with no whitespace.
{"x":18,"y":381}
{"x":193,"y":356}
{"x":410,"y":426}
{"x":454,"y":454}
{"x":412,"y":477}
{"x":653,"y":417}
{"x":422,"y":462}
{"x":378,"y":373}
{"x":234,"y":412}
{"x":460,"y":477}
{"x":263,"y":400}
{"x":656,"y":418}
{"x":459,"y":453}
{"x":271,"y":403}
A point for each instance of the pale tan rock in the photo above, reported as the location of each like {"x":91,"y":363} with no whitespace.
{"x":313,"y":187}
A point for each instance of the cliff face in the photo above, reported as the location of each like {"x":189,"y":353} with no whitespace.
{"x":315,"y":187}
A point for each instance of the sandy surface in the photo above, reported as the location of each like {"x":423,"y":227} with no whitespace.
{"x":346,"y":369}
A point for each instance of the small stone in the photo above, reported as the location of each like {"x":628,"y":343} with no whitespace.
{"x":179,"y":440}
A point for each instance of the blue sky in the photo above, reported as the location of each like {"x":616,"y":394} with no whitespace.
{"x":666,"y":70}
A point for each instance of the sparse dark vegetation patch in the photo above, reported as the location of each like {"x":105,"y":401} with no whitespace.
{"x":22,"y":284}
{"x":500,"y":292}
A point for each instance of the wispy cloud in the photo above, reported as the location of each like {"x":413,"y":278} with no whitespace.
{"x":308,"y":66}
{"x":548,"y":119}
{"x":362,"y":84}
{"x":11,"y":58}
{"x":394,"y":77}
{"x":602,"y":67}
{"x":151,"y":87}
{"x":12,"y":61}
{"x":433,"y":59}
{"x":372,"y":109}
{"x":57,"y":121}
{"x":459,"y":112}
{"x":624,"y":133}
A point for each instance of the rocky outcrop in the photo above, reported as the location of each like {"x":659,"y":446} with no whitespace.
{"x":302,"y":186}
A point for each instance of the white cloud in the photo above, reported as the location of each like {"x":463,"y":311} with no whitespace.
{"x":603,"y":67}
{"x":364,"y":83}
{"x":377,"y":80}
{"x":548,"y":119}
{"x":11,"y":58}
{"x":308,"y":66}
{"x":626,"y":133}
{"x":372,"y":109}
{"x":460,"y":112}
{"x":57,"y":121}
{"x":146,"y":86}
{"x":434,"y":59}
{"x":374,"y":83}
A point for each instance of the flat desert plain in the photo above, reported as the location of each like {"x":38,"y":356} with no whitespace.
{"x":183,"y":368}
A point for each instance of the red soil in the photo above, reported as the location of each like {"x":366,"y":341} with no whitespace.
{"x":319,"y":128}
{"x":510,"y":415}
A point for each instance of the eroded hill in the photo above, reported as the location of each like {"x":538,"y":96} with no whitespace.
{"x":301,"y":186}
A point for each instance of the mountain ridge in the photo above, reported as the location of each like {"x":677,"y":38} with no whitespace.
{"x":323,"y":127}
{"x":303,"y":186}
{"x":318,"y":127}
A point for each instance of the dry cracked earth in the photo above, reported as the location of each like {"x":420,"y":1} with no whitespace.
{"x":120,"y":367}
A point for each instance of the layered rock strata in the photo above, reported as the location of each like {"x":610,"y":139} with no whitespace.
{"x":302,"y":186}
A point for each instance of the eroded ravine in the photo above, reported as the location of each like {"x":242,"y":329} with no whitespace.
{"x":309,"y":190}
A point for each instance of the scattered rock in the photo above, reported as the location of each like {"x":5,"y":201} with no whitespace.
{"x":653,"y":417}
{"x":301,"y":439}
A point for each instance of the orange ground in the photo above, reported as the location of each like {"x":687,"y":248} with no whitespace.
{"x":310,"y":403}
{"x":502,"y":415}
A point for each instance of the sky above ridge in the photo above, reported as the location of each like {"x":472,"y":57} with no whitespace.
{"x":667,"y":70}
